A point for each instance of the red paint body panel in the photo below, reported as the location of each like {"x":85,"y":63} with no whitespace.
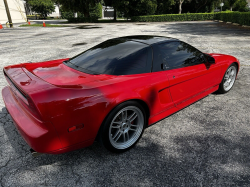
{"x":186,"y":82}
{"x":41,"y":136}
{"x":63,"y":97}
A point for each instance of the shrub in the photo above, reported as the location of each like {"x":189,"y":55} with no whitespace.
{"x":175,"y":17}
{"x":96,"y":11}
{"x":43,"y":7}
{"x":80,"y":18}
{"x":83,"y":20}
{"x":242,"y":18}
{"x":66,"y":15}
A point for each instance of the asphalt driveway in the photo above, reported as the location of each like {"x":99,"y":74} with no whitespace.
{"x":205,"y":144}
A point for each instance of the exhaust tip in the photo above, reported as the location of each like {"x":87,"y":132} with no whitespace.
{"x":34,"y":153}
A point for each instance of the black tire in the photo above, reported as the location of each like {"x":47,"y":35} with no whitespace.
{"x":104,"y":133}
{"x":222,"y":88}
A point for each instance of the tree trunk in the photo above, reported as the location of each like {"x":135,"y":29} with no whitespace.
{"x":231,"y":8}
{"x":86,"y":12}
{"x":114,"y":14}
{"x":180,"y":4}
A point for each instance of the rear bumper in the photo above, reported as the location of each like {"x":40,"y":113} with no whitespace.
{"x":40,"y":136}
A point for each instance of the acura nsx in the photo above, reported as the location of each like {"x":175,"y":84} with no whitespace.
{"x":110,"y":92}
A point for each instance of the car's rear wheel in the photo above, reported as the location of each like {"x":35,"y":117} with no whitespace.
{"x":228,"y":79}
{"x":123,"y":127}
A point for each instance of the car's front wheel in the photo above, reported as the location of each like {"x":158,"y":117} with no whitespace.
{"x":228,"y":79}
{"x":123,"y":127}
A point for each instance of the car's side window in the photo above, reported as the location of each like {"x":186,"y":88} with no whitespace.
{"x":173,"y":55}
{"x":135,"y":63}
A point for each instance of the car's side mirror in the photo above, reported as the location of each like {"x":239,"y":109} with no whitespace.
{"x":210,"y":59}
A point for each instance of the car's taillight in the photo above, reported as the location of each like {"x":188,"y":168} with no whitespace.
{"x":32,"y":108}
{"x":23,"y":98}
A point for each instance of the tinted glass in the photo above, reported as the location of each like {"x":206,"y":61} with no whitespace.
{"x":114,"y":57}
{"x":176,"y":54}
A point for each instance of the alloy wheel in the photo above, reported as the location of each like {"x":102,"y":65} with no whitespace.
{"x":229,"y":78}
{"x":126,"y":127}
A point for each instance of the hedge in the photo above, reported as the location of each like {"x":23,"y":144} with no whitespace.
{"x":83,"y":20}
{"x":80,"y":18}
{"x":66,"y":15}
{"x":242,"y":18}
{"x":174,"y":17}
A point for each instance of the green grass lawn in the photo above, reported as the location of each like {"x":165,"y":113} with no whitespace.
{"x":41,"y":25}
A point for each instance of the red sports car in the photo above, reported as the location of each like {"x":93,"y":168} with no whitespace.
{"x":110,"y":92}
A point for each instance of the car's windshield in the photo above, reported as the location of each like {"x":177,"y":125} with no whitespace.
{"x":114,"y":57}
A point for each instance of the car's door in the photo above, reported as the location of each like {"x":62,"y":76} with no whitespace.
{"x":188,"y":72}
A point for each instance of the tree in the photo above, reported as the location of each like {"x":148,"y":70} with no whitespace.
{"x":96,"y":11}
{"x":82,"y":6}
{"x":204,"y":5}
{"x":195,"y":6}
{"x":132,"y":8}
{"x":231,"y":3}
{"x":165,"y":6}
{"x":241,"y":6}
{"x":180,"y":5}
{"x":43,"y":7}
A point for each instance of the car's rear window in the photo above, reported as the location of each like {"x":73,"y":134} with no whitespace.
{"x":114,"y":57}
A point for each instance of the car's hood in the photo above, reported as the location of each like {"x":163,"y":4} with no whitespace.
{"x":56,"y":73}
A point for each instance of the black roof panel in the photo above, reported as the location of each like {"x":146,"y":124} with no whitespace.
{"x":147,"y":39}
